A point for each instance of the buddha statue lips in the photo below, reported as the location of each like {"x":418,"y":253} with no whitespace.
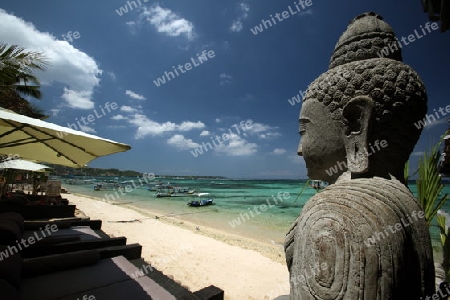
{"x":361,"y":99}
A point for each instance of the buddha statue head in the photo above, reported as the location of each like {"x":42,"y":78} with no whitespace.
{"x":360,"y":115}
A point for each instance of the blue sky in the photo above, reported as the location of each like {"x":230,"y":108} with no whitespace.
{"x":117,"y":58}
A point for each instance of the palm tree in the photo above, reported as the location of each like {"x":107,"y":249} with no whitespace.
{"x":17,"y":79}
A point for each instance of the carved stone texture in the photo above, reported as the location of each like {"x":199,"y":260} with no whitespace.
{"x":358,"y":238}
{"x":364,"y":38}
{"x":346,"y":244}
{"x":399,"y":102}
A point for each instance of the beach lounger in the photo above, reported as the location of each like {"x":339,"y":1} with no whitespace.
{"x":180,"y":292}
{"x":63,"y":246}
{"x":63,"y":223}
{"x":112,"y":278}
{"x":74,"y":274}
{"x":33,"y":212}
{"x":68,"y":239}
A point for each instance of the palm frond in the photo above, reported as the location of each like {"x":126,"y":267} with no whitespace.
{"x":17,"y":78}
{"x":429,"y":185}
{"x":441,"y":218}
{"x":30,"y":90}
{"x":303,"y":189}
{"x":406,"y":172}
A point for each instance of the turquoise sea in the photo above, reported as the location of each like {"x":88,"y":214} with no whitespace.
{"x":235,"y":202}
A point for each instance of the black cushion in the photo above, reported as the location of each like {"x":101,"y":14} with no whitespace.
{"x":16,"y":217}
{"x":10,"y":266}
{"x":58,"y":262}
{"x":10,"y":232}
{"x":7,"y":291}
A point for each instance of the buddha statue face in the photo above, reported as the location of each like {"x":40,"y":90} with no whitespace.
{"x":361,"y":101}
{"x":321,"y":137}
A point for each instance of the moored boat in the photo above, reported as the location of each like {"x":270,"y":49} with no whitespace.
{"x":166,"y":190}
{"x":197,"y":203}
{"x":107,"y":186}
{"x":318,"y":184}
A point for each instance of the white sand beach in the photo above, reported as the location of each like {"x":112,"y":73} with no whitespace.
{"x":191,"y":256}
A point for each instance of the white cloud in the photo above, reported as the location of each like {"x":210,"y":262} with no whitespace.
{"x":187,"y":126}
{"x":87,"y":129}
{"x":77,"y":71}
{"x":81,"y":99}
{"x":218,"y":120}
{"x":279,"y":151}
{"x":134,"y":95}
{"x":205,"y":133}
{"x":224,"y":78}
{"x":263,"y":131}
{"x":119,"y":117}
{"x":259,"y":127}
{"x":269,"y":135}
{"x":236,"y":146}
{"x":112,"y":76}
{"x":245,"y":9}
{"x":237,"y":24}
{"x":168,"y":22}
{"x":179,"y":141}
{"x":147,"y":127}
{"x":132,"y":25}
{"x":127,"y":108}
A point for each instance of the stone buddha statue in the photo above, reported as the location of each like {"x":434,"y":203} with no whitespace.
{"x":364,"y":236}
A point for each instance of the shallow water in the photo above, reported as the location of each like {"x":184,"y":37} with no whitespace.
{"x":235,"y":202}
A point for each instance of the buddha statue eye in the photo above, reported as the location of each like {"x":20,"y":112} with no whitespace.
{"x":301,"y":129}
{"x":302,"y":126}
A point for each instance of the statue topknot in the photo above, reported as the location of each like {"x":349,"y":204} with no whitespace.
{"x":365,"y":37}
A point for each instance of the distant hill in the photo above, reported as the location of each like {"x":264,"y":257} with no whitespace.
{"x":94,"y":172}
{"x":65,"y":171}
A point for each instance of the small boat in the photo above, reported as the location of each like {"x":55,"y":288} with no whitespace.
{"x":166,"y":190}
{"x":108,"y":186}
{"x":318,"y":184}
{"x":197,"y":203}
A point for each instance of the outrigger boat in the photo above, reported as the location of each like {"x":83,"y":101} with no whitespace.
{"x":197,"y":203}
{"x":318,"y":184}
{"x":107,"y":186}
{"x":172,"y":191}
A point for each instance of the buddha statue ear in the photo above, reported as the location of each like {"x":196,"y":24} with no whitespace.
{"x":356,"y":114}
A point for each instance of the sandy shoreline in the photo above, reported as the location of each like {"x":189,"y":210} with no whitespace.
{"x":195,"y":256}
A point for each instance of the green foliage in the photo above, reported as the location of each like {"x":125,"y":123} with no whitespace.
{"x":17,"y":66}
{"x":429,"y":185}
{"x":406,"y":172}
{"x":445,"y":241}
{"x":303,"y":189}
{"x":91,"y":172}
{"x":17,"y":79}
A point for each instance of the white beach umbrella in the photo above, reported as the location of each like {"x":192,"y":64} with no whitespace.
{"x":20,"y":164}
{"x":37,"y":140}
